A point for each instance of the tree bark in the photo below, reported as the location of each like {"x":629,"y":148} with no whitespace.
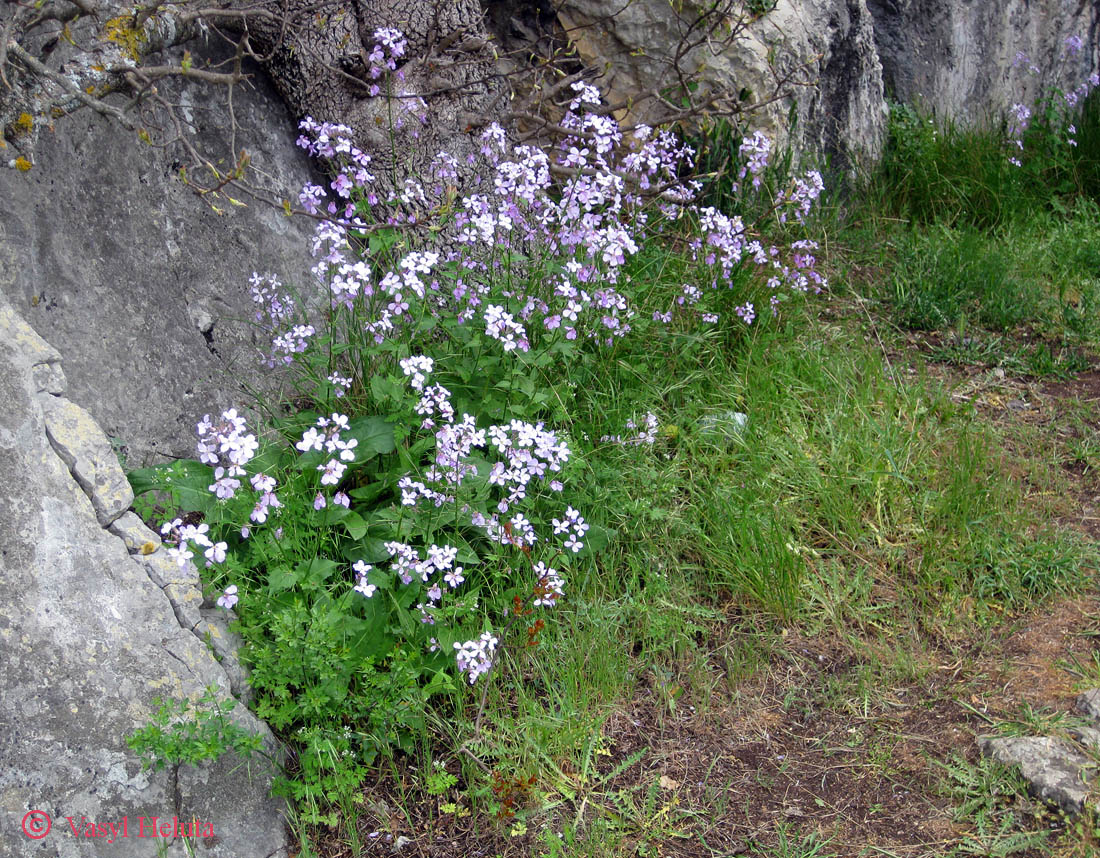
{"x":68,"y":55}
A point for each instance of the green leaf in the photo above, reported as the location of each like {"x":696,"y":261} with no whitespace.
{"x":356,"y":527}
{"x":320,"y":569}
{"x":596,"y":540}
{"x":375,"y":436}
{"x":368,"y":638}
{"x":385,"y":389}
{"x":192,"y":489}
{"x":187,"y":480}
{"x":369,"y":492}
{"x":369,"y":549}
{"x":270,"y":458}
{"x":281,"y":578}
{"x":145,"y":480}
{"x":382,"y":240}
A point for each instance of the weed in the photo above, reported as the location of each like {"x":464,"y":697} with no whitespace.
{"x":192,"y":733}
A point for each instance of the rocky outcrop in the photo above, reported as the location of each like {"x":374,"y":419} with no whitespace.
{"x":959,"y":59}
{"x":136,"y":280}
{"x":88,"y":639}
{"x":841,"y":59}
{"x":815,"y":55}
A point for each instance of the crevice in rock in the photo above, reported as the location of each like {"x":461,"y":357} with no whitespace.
{"x":174,"y":787}
{"x":208,"y":335}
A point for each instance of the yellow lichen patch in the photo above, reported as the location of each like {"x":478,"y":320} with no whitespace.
{"x":120,"y":30}
{"x":24,"y":123}
{"x":22,"y":164}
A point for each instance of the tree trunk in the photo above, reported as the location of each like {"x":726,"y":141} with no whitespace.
{"x":73,"y":53}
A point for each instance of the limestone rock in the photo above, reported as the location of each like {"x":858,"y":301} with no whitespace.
{"x":213,"y":629}
{"x":136,"y":281}
{"x":826,"y":43}
{"x":958,"y":58}
{"x":180,"y":584}
{"x":138,"y":538}
{"x":87,"y":641}
{"x":1054,"y":771}
{"x":87,"y":453}
{"x":1089,"y":737}
{"x":1088,"y":704}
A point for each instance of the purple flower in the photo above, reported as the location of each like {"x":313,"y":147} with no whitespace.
{"x":228,"y":597}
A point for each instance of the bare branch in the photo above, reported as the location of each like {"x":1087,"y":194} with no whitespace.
{"x":95,"y":104}
{"x":148,"y":73}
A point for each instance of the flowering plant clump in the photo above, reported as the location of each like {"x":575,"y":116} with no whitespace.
{"x":1056,"y":108}
{"x":380,"y":551}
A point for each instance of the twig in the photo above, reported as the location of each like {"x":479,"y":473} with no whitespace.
{"x":154,"y":72}
{"x":96,"y":104}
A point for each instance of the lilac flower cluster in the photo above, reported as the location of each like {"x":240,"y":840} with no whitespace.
{"x":800,"y":196}
{"x":1019,"y":119}
{"x":1020,"y":115}
{"x":436,"y":570}
{"x":389,"y":47}
{"x":549,"y":587}
{"x":532,"y":251}
{"x":754,"y":151}
{"x":264,"y":486}
{"x":574,"y":527}
{"x":362,"y":585}
{"x":275,"y":310}
{"x":439,"y":560}
{"x":228,"y":598}
{"x":526,"y":453}
{"x":178,"y":535}
{"x":329,"y":441}
{"x":332,"y":143}
{"x":647,"y":435}
{"x":229,"y":447}
{"x":592,"y":222}
{"x":475,"y":657}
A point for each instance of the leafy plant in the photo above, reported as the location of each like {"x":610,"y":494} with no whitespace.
{"x":192,"y":733}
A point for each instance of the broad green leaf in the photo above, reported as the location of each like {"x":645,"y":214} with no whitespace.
{"x":188,"y":481}
{"x":357,"y":528}
{"x":281,"y":578}
{"x":369,"y":492}
{"x":369,"y":549}
{"x":320,"y":569}
{"x":374,"y":435}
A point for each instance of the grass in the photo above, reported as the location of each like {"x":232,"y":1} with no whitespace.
{"x":816,"y":568}
{"x":854,"y":503}
{"x":856,"y":507}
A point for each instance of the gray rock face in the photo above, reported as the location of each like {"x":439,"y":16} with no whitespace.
{"x":953,"y":57}
{"x":829,"y":43}
{"x":136,"y":281}
{"x":1088,"y":704}
{"x":87,"y":640}
{"x":1055,"y":771}
{"x":957,"y":58}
